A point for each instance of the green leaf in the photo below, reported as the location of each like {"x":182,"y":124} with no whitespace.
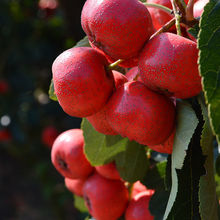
{"x":83,"y":43}
{"x":51,"y":92}
{"x":186,"y":125}
{"x":158,"y":204}
{"x":132,"y":163}
{"x":209,"y":61}
{"x":194,"y":31}
{"x":79,"y":203}
{"x":155,"y":176}
{"x":207,"y":190}
{"x":99,"y":148}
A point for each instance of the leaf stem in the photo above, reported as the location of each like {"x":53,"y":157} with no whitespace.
{"x":164,"y":8}
{"x":113,"y":65}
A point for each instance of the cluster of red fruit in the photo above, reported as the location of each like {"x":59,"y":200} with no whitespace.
{"x":141,"y":104}
{"x":106,"y":194}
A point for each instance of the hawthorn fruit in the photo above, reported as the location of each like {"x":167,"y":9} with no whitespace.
{"x":82,"y":81}
{"x":68,"y":156}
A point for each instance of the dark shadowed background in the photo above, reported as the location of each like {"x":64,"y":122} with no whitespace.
{"x":32,"y":35}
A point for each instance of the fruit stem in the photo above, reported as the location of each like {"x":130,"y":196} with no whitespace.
{"x":182,"y":6}
{"x":113,"y":65}
{"x":164,"y":8}
{"x":189,"y":10}
{"x":165,"y":28}
{"x":177,"y":17}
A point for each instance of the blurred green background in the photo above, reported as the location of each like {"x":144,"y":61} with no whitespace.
{"x":33,"y":34}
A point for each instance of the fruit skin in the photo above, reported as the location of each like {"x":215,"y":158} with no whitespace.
{"x":132,"y":73}
{"x":105,"y":199}
{"x":82,"y":82}
{"x":138,"y":208}
{"x":120,"y":28}
{"x":108,"y":171}
{"x":137,"y":188}
{"x":49,"y":134}
{"x":140,"y":114}
{"x":168,"y":64}
{"x":75,"y":185}
{"x":159,"y":17}
{"x":199,"y":8}
{"x":98,"y":120}
{"x":167,"y":146}
{"x":68,"y":157}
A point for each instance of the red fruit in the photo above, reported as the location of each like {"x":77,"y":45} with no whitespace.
{"x":141,"y":114}
{"x":5,"y":135}
{"x":75,"y":185}
{"x":106,"y":199}
{"x":49,"y":135}
{"x":99,"y":120}
{"x":167,"y":146}
{"x":4,"y":86}
{"x":82,"y":82}
{"x":132,"y":74}
{"x":199,"y":8}
{"x":160,"y":17}
{"x":108,"y":171}
{"x":48,"y":4}
{"x":120,"y":28}
{"x":68,"y":157}
{"x":168,"y":64}
{"x":138,"y":208}
{"x":137,"y":188}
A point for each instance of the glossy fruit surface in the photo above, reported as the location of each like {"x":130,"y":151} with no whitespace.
{"x":167,"y":146}
{"x":137,"y":188}
{"x":199,"y":8}
{"x":108,"y":171}
{"x":68,"y":157}
{"x":140,"y":114}
{"x":132,"y":74}
{"x":49,"y":135}
{"x":99,"y":120}
{"x":160,"y":17}
{"x":118,"y":27}
{"x":138,"y":208}
{"x":168,"y":64}
{"x":75,"y":185}
{"x":82,"y":82}
{"x":106,"y":199}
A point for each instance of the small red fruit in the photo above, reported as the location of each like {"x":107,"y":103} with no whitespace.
{"x":138,"y":208}
{"x":4,"y":86}
{"x":82,"y":82}
{"x":75,"y":185}
{"x":132,"y":74}
{"x":5,"y":135}
{"x":137,"y":188}
{"x":99,"y":120}
{"x":199,"y":8}
{"x":108,"y":171}
{"x":120,"y":28}
{"x":140,"y":114}
{"x":68,"y":157}
{"x":168,"y":64}
{"x":106,"y":199}
{"x":49,"y":135}
{"x":167,"y":146}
